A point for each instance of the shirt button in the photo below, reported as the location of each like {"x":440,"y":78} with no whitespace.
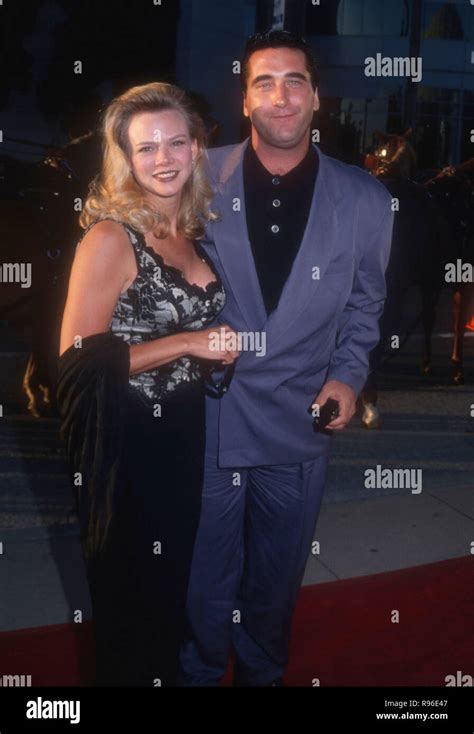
{"x":276,"y":202}
{"x":275,"y":228}
{"x":275,"y":180}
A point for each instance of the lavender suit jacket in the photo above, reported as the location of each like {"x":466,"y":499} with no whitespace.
{"x":326,"y":322}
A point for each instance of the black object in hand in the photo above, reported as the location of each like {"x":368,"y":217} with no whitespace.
{"x":328,"y":412}
{"x":213,"y":389}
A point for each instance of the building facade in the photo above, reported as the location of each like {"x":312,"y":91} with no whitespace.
{"x":438,"y":104}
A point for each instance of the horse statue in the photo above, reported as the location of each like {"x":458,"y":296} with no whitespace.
{"x":425,"y":240}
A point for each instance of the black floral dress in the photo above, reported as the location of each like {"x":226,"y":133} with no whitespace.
{"x":138,"y":589}
{"x":158,"y":303}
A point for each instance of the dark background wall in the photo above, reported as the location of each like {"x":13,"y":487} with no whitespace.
{"x":195,"y":43}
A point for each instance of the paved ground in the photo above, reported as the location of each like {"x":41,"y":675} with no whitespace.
{"x":427,"y":425}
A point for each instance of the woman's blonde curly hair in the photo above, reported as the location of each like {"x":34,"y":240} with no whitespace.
{"x":115,"y":194}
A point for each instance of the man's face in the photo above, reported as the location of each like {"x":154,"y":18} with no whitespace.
{"x":280,"y":99}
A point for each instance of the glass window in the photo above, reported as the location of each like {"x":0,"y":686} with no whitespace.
{"x":357,"y":18}
{"x":469,"y":22}
{"x":437,"y":123}
{"x":348,"y":124}
{"x":444,"y":20}
{"x":467,"y":127}
{"x":321,"y":20}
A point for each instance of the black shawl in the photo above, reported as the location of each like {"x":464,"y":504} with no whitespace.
{"x":91,"y":393}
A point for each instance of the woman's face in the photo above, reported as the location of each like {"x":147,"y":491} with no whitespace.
{"x":161,"y":153}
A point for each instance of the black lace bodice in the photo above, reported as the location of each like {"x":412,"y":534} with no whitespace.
{"x":160,"y":302}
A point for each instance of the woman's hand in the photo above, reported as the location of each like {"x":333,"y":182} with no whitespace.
{"x":216,"y":343}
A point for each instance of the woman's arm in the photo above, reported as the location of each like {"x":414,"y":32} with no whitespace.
{"x":103,"y":264}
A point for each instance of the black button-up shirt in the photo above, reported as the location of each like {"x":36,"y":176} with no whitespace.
{"x":277,"y":209}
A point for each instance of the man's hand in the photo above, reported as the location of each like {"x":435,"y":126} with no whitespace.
{"x":346,"y":398}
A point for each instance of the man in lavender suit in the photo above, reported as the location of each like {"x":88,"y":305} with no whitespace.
{"x":302,"y":245}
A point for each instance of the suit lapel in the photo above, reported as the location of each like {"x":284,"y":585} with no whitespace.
{"x":232,"y":240}
{"x":235,"y":252}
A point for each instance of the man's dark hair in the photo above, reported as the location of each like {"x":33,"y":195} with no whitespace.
{"x":277,"y":39}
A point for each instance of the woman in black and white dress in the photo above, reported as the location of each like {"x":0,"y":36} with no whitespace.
{"x":134,"y":354}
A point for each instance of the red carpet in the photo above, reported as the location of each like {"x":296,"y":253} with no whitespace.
{"x":344,"y":636}
{"x":342,"y":633}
